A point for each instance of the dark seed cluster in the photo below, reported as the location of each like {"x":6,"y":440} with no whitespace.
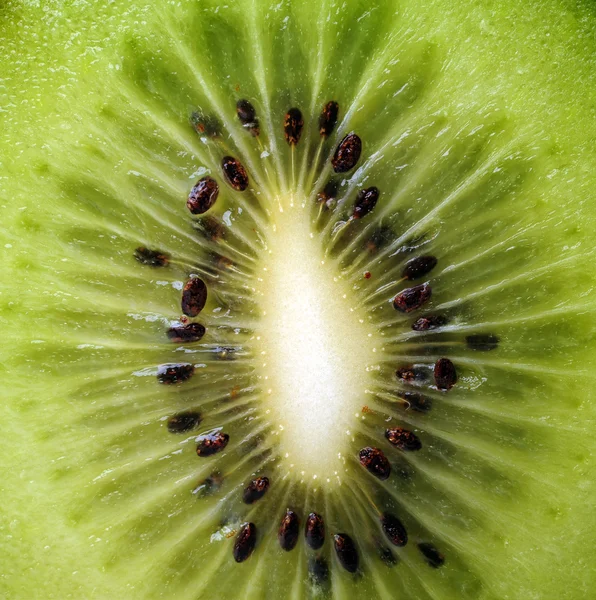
{"x":191,"y":332}
{"x":289,"y":530}
{"x":174,"y":373}
{"x":411,"y":373}
{"x":211,"y":443}
{"x":293,"y":124}
{"x":365,"y":202}
{"x":347,"y":154}
{"x":429,"y":322}
{"x":248,"y":117}
{"x":315,"y":531}
{"x":346,"y":552}
{"x":328,"y":118}
{"x":415,"y":297}
{"x":375,"y":462}
{"x":444,"y":371}
{"x":431,"y":554}
{"x":328,"y":194}
{"x":235,"y":173}
{"x":386,"y":555}
{"x":445,"y":374}
{"x":288,"y":535}
{"x":245,"y":542}
{"x":202,"y":196}
{"x":184,"y":422}
{"x":394,"y":530}
{"x":194,"y":297}
{"x":483,"y":341}
{"x":419,"y":267}
{"x":255,"y":490}
{"x":403,"y":439}
{"x":412,"y":298}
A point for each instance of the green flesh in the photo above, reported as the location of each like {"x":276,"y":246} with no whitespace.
{"x":481,"y":125}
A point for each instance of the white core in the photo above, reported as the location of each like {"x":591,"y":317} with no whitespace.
{"x":315,"y":350}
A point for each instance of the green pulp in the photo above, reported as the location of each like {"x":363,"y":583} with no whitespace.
{"x":478,"y":126}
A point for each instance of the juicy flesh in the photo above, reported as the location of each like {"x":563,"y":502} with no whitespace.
{"x":113,"y":485}
{"x":316,"y":349}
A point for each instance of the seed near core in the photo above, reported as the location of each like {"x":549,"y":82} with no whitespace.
{"x":315,"y":348}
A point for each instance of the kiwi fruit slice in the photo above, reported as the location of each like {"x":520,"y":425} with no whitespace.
{"x":297,"y":299}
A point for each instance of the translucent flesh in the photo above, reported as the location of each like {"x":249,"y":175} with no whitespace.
{"x":478,"y":129}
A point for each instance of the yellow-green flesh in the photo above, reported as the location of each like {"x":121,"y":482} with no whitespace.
{"x":477,"y":124}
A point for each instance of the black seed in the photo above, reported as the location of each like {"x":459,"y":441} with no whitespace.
{"x":375,"y":462}
{"x":347,"y":154}
{"x":386,"y":555}
{"x":315,"y":531}
{"x":183,"y":422}
{"x":202,"y":196}
{"x":318,"y":570}
{"x":152,"y":258}
{"x":433,"y":557}
{"x":289,"y":530}
{"x":411,"y":373}
{"x":416,"y":401}
{"x":429,"y":322}
{"x":205,"y":124}
{"x":394,"y":530}
{"x":365,"y":202}
{"x":174,"y":372}
{"x":248,"y":116}
{"x":482,"y":341}
{"x":445,"y":374}
{"x":346,"y":552}
{"x":235,"y":173}
{"x":403,"y":439}
{"x":212,"y":442}
{"x":191,"y":332}
{"x":412,"y":298}
{"x":255,"y":490}
{"x":246,"y":111}
{"x":419,"y":267}
{"x":245,"y":542}
{"x":293,"y":124}
{"x":194,"y":296}
{"x":210,"y":485}
{"x":328,"y":118}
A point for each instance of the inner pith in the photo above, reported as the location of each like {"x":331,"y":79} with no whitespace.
{"x":316,"y":348}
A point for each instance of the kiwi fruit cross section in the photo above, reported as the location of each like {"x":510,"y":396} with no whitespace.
{"x":311,"y":313}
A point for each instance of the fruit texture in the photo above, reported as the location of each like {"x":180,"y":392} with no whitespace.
{"x":297,"y":300}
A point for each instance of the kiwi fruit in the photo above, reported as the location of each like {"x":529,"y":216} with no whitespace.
{"x":297,"y":299}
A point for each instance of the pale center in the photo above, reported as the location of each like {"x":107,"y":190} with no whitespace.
{"x":316,"y":350}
